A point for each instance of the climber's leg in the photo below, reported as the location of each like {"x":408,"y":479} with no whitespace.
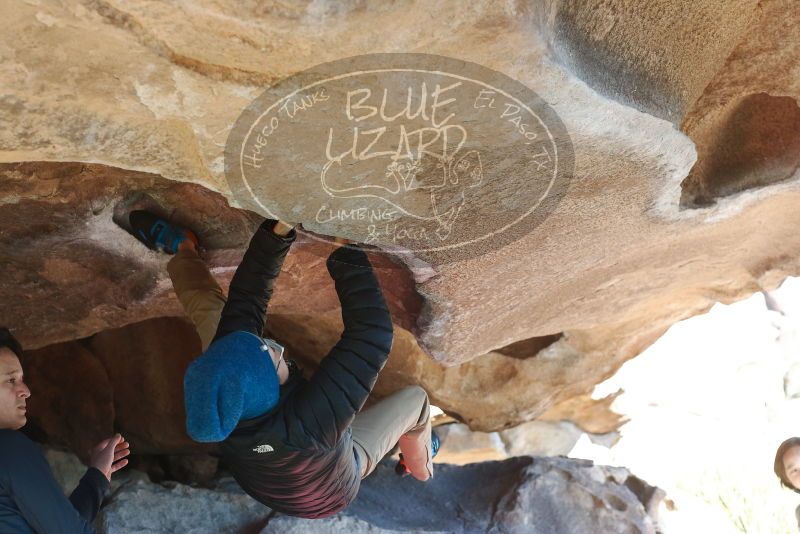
{"x":197,"y":290}
{"x":402,"y":418}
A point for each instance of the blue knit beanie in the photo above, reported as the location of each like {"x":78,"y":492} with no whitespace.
{"x":233,"y":379}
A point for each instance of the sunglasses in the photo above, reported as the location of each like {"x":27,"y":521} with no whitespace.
{"x":276,"y":347}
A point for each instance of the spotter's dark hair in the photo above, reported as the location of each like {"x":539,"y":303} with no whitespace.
{"x":8,"y":341}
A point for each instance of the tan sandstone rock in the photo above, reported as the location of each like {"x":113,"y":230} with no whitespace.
{"x":123,"y":96}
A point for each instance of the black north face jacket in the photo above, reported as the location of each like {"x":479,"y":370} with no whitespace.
{"x":298,"y":458}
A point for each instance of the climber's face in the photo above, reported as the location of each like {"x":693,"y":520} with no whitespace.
{"x":791,"y":465}
{"x":13,"y":392}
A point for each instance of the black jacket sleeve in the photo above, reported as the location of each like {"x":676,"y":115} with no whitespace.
{"x":328,"y":403}
{"x":251,"y":286}
{"x":88,"y":495}
{"x":25,"y":474}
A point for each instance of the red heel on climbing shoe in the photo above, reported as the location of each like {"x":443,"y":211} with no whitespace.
{"x":401,"y":469}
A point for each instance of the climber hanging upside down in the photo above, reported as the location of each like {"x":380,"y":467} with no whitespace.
{"x":299,"y":446}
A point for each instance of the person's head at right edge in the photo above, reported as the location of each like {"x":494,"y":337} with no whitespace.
{"x":787,"y":464}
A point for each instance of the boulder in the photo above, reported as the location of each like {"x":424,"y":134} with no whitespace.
{"x":657,"y":221}
{"x":521,"y":494}
{"x":145,"y":507}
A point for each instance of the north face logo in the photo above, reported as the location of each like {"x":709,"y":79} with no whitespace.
{"x":263,"y":448}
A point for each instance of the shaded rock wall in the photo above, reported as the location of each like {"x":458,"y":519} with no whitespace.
{"x":128,"y":380}
{"x":71,"y":271}
{"x":754,"y":142}
{"x":748,"y":111}
{"x":73,"y":400}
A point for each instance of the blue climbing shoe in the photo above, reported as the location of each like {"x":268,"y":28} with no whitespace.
{"x":436,"y":443}
{"x":157,"y":233}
